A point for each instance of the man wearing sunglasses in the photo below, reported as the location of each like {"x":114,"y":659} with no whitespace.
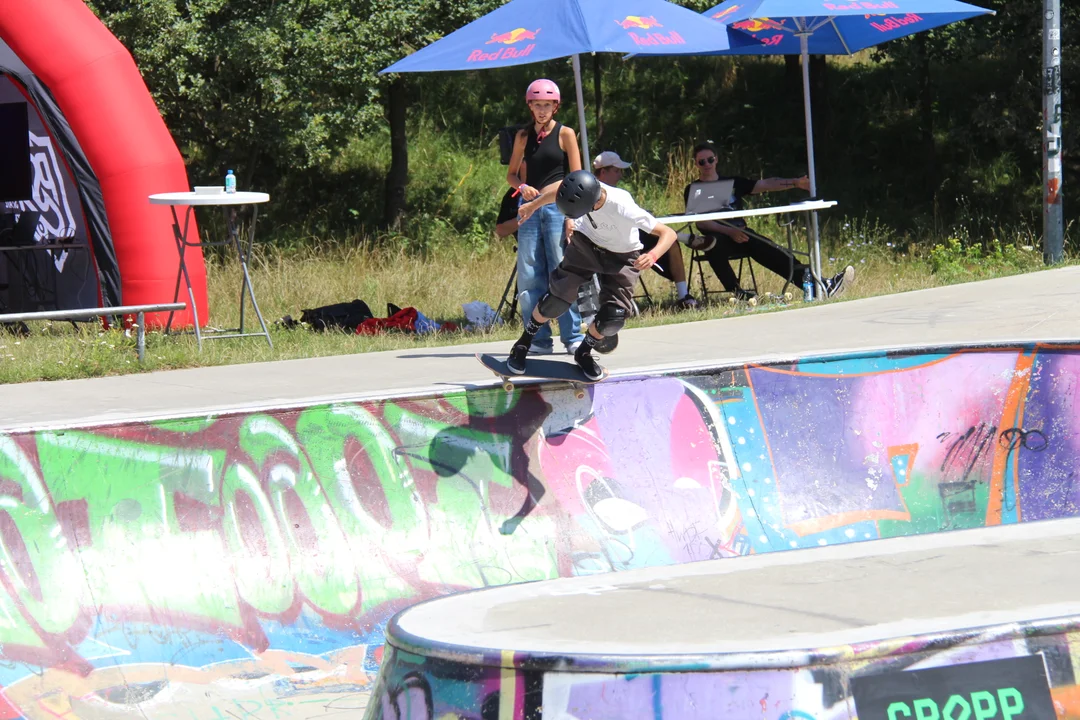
{"x":724,"y":239}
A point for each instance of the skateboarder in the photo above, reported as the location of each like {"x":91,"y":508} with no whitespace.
{"x":604,"y":241}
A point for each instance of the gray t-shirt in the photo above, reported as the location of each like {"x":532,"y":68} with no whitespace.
{"x":617,"y":222}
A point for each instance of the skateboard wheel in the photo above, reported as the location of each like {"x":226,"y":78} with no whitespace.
{"x":753,"y":302}
{"x":579,"y":394}
{"x":787,"y":296}
{"x":508,"y":386}
{"x":731,"y":300}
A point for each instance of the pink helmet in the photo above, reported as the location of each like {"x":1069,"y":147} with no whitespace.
{"x":542,"y":89}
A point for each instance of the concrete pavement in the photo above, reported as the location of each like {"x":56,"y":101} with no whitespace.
{"x":1035,"y":306}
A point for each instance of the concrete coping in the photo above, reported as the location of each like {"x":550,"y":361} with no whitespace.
{"x":785,"y":609}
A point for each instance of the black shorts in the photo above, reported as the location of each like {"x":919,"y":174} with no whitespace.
{"x":582,"y":259}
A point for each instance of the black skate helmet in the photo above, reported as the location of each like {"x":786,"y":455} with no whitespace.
{"x":578,"y":194}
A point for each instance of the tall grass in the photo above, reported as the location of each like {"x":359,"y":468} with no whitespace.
{"x":437,"y":280}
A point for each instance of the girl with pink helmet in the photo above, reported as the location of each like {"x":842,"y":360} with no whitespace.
{"x":550,"y":151}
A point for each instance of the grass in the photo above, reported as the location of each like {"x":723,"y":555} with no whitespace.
{"x":437,"y":282}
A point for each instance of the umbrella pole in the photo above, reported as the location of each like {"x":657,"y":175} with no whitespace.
{"x":815,"y":261}
{"x":583,"y":132}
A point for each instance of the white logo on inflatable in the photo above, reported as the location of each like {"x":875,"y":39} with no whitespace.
{"x":49,"y":196}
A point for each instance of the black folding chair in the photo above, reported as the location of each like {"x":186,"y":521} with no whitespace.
{"x":506,"y":296}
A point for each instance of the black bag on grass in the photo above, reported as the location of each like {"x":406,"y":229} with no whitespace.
{"x":339,"y":316}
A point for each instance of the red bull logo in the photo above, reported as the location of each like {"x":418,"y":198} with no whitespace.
{"x":637,"y":21}
{"x":756,"y":25}
{"x":895,"y":22}
{"x":861,"y":5}
{"x":507,"y":39}
{"x":514,"y":36}
{"x":724,"y":13}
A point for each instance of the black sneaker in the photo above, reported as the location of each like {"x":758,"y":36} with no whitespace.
{"x":592,"y":369}
{"x":744,"y":295}
{"x":687,"y":302}
{"x":516,"y":362}
{"x":838,"y":283}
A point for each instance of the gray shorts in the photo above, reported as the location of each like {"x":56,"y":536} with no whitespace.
{"x":582,"y":259}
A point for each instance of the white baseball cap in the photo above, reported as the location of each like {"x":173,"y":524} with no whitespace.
{"x":609,"y":159}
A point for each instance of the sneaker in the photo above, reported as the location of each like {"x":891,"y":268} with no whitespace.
{"x":572,"y":347}
{"x":535,"y":349}
{"x":838,"y":283}
{"x":516,"y":362}
{"x":592,"y":369}
{"x":687,"y":302}
{"x":744,"y":295}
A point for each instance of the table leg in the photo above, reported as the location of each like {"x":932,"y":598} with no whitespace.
{"x":187,"y":278}
{"x":234,"y":233}
{"x":244,"y":254}
{"x":178,"y":237}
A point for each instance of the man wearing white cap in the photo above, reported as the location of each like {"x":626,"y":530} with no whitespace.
{"x":609,"y":167}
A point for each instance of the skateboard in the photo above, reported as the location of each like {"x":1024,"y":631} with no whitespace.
{"x":542,"y":369}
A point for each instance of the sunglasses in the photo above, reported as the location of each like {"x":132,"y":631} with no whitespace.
{"x":707,"y":161}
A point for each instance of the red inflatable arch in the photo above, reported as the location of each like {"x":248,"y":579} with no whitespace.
{"x":97,"y":86}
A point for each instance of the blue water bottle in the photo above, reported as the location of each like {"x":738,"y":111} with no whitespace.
{"x":230,"y":182}
{"x":807,"y":286}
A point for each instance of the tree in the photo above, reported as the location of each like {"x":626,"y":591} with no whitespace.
{"x":394,"y":29}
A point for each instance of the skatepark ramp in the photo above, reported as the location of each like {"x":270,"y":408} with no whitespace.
{"x":245,"y":564}
{"x":926,"y":626}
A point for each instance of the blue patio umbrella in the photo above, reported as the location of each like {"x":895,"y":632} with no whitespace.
{"x":829,"y":27}
{"x":529,"y":31}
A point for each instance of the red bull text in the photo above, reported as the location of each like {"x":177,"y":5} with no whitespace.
{"x":639,"y":22}
{"x":895,"y":22}
{"x":506,"y":53}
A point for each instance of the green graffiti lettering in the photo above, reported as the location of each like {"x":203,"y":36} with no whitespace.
{"x":467,"y":462}
{"x":42,"y":541}
{"x":954,"y":702}
{"x":896,"y":709}
{"x":925,"y":709}
{"x":138,"y":556}
{"x":325,"y":569}
{"x":984,"y":705}
{"x":325,"y":433}
{"x":1011,"y":702}
{"x":263,"y":578}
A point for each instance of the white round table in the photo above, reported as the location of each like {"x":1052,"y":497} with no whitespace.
{"x":222,"y":198}
{"x":228,"y":201}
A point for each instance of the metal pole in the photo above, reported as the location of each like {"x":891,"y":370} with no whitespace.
{"x":1053,"y":230}
{"x":140,"y":335}
{"x":815,"y":262}
{"x":586,"y":163}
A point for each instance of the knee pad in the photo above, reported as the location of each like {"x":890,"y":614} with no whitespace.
{"x":551,"y":306}
{"x":610,"y":319}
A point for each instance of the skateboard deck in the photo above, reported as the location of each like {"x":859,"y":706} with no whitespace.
{"x":565,"y":370}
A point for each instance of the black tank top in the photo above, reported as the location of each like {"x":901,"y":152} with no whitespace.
{"x":545,"y":161}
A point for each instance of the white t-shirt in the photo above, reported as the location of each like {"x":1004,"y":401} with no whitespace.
{"x":617,"y":222}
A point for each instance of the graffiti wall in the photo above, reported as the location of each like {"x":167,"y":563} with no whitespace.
{"x":1011,"y":673}
{"x":246,"y":565}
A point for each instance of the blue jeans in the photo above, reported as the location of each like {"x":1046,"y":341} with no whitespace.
{"x":540,"y":250}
